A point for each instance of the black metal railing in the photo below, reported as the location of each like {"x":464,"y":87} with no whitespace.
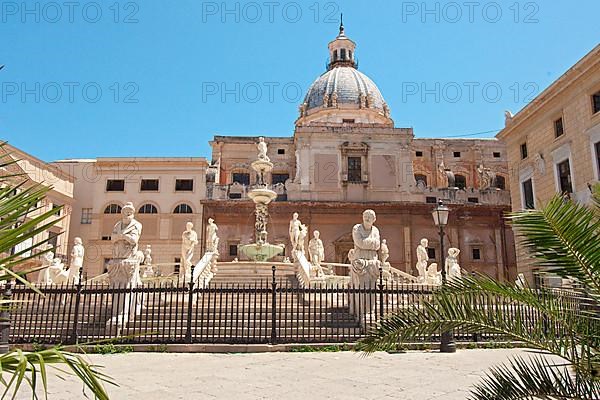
{"x":275,"y":311}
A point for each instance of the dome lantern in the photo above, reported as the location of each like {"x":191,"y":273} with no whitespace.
{"x":341,"y":50}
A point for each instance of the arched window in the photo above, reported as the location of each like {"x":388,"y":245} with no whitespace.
{"x":500,"y":182}
{"x":335,"y":55}
{"x":183,"y":209}
{"x":421,"y":178}
{"x":113,"y":209}
{"x":148,"y":209}
{"x":460,"y":181}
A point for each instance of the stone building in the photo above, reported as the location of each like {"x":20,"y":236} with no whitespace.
{"x":553,"y":144}
{"x":345,"y":156}
{"x":36,"y":171}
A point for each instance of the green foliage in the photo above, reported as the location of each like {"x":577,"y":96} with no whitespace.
{"x":21,"y":218}
{"x":322,"y":349}
{"x":563,"y":238}
{"x":111,"y":348}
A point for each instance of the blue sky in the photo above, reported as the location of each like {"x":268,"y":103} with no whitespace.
{"x":157,"y":78}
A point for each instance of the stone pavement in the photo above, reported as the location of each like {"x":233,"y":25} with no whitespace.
{"x":304,"y":376}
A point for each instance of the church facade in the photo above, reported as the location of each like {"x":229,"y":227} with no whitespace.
{"x":345,"y":156}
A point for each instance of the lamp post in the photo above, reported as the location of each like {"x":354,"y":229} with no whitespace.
{"x":440,"y":219}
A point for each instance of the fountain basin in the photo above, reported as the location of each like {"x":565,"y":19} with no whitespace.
{"x":262,"y":166}
{"x":262,"y":195}
{"x":262,"y":252}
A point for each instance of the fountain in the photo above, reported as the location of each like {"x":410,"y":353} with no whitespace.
{"x":261,"y":250}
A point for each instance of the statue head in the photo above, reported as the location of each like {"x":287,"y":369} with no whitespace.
{"x":189,"y":226}
{"x":369,"y":218}
{"x":424,"y":242}
{"x":128,"y":212}
{"x":78,"y":241}
{"x":261,"y":139}
{"x":384,"y":241}
{"x":49,"y":256}
{"x":453,"y":252}
{"x":211,"y":221}
{"x":316,"y":234}
{"x":295,"y":216}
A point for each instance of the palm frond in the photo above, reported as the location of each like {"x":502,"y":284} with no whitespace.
{"x":534,"y":378}
{"x":564,"y":239}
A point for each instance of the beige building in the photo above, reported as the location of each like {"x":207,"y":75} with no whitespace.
{"x":36,"y":171}
{"x":553,"y":144}
{"x":165,"y":191}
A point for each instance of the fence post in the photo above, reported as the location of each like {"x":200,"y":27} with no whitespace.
{"x":380,"y":292}
{"x":273,"y":307}
{"x":5,"y":319}
{"x":188,"y":332}
{"x":74,"y":339}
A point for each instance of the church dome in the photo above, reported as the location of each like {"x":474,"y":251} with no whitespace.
{"x":343,"y":94}
{"x":341,"y":86}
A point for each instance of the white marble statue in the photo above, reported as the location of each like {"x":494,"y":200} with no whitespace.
{"x":212,"y":240}
{"x":422,"y":258}
{"x":364,"y":271}
{"x":262,"y":149}
{"x":44,"y":275}
{"x":77,"y":255}
{"x":294,"y":231}
{"x":302,"y":234}
{"x":189,"y":240}
{"x":521,"y":282}
{"x":508,"y":117}
{"x":384,"y":251}
{"x":316,"y":251}
{"x":434,"y":277}
{"x":124,"y":267}
{"x":148,"y":270}
{"x":453,"y":270}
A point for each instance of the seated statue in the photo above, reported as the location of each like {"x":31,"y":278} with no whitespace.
{"x":434,"y":277}
{"x":452,"y":267}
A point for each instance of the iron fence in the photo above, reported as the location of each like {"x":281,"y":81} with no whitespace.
{"x":275,"y":311}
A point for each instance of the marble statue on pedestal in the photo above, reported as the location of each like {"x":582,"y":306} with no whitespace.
{"x":77,"y":255}
{"x":262,"y":149}
{"x":448,"y":175}
{"x":148,"y":271}
{"x":316,"y":251}
{"x":189,"y":240}
{"x":364,"y":271}
{"x":434,"y":277}
{"x":294,"y":231}
{"x":124,"y":267}
{"x":44,"y":275}
{"x":212,"y":240}
{"x":302,"y":234}
{"x":452,"y":267}
{"x":54,"y":272}
{"x":422,"y":259}
{"x":384,"y":255}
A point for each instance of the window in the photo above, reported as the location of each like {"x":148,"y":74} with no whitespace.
{"x":559,"y":129}
{"x":497,"y":154}
{"x":106,"y":238}
{"x":354,"y":169}
{"x":183,"y":209}
{"x":564,"y":177}
{"x":115,"y":185}
{"x":242,"y":178}
{"x":500,"y":182}
{"x":58,"y":209}
{"x":596,"y":102}
{"x":149,"y":185}
{"x":343,"y":54}
{"x":528,"y":201}
{"x":348,"y":121}
{"x":184,"y":185}
{"x":460,"y":181}
{"x":431,"y":200}
{"x":474,"y":200}
{"x":280,"y":178}
{"x":457,"y":154}
{"x":422,"y":179}
{"x":148,"y":209}
{"x":233,"y":250}
{"x":113,"y":209}
{"x":431,"y":253}
{"x":53,"y":240}
{"x":235,"y":196}
{"x":177,"y":266}
{"x":281,"y":151}
{"x":419,"y":154}
{"x":523,"y":151}
{"x":476,"y":253}
{"x":335,"y":55}
{"x":86,"y":216}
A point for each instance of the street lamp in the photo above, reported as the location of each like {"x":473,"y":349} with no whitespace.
{"x":440,"y":219}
